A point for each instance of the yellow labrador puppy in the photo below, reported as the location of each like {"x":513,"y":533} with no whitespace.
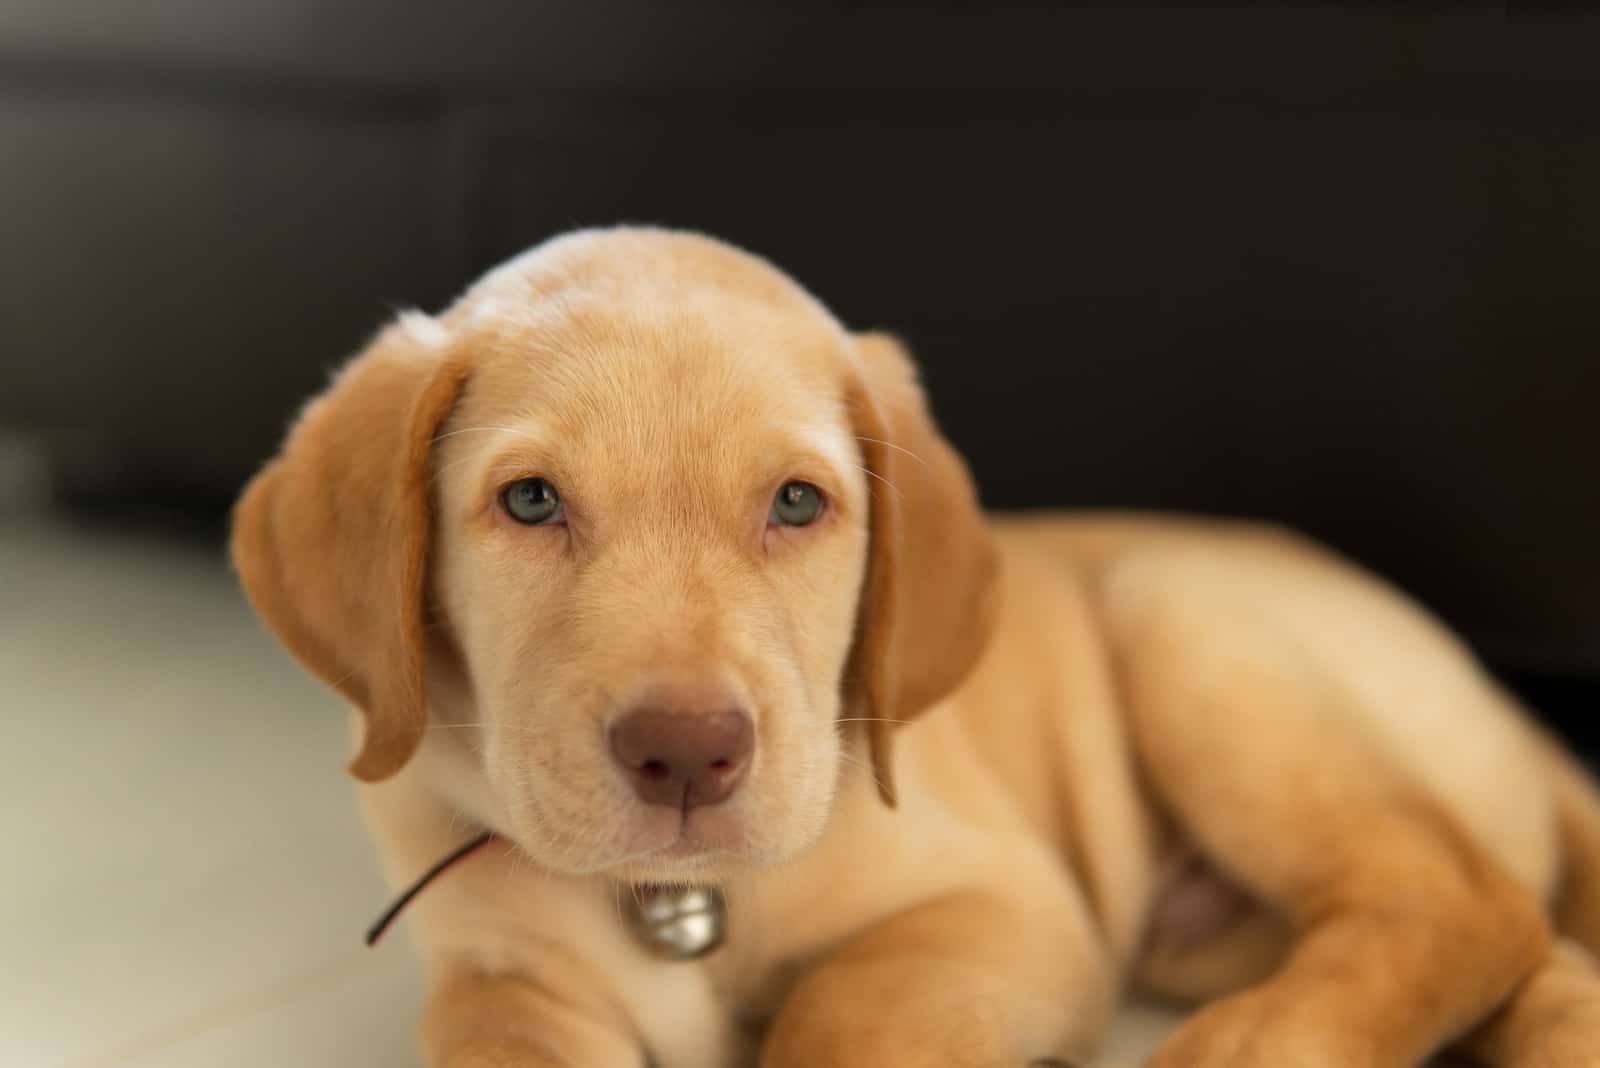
{"x":638,"y":559}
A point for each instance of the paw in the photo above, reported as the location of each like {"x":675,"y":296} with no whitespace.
{"x":500,"y":1055}
{"x":1572,"y":1040}
{"x":1249,"y":1031}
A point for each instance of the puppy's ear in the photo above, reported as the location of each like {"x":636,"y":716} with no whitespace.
{"x":331,"y":538}
{"x":928,"y":602}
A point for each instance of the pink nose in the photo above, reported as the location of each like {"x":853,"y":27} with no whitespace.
{"x":683,"y":758}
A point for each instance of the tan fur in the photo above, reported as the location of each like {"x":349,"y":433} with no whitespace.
{"x":919,"y":639}
{"x":336,"y":563}
{"x":1094,"y":696}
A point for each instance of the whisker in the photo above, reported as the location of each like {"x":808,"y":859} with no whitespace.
{"x":517,"y":728}
{"x":870,"y":472}
{"x":346,"y":677}
{"x":892,"y":445}
{"x":864,"y":766}
{"x":451,"y":466}
{"x":476,"y":429}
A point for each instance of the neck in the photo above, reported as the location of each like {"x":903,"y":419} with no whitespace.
{"x":675,"y":923}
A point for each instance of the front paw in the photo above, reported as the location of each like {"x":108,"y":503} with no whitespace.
{"x":1250,"y":1031}
{"x":907,"y":1055}
{"x":501,"y":1055}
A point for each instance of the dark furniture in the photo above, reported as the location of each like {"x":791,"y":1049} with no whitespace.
{"x":1333,"y":266}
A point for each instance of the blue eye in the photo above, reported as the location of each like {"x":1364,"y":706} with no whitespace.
{"x":532,"y":501}
{"x":796,"y":505}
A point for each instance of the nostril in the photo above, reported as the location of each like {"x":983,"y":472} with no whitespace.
{"x":683,"y":756}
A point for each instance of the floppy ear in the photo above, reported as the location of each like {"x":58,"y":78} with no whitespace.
{"x":929,"y":598}
{"x":331,"y":538}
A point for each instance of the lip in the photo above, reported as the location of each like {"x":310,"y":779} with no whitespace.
{"x":697,"y":835}
{"x":685,"y":846}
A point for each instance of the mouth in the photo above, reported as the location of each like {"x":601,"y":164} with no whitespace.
{"x":688,"y":843}
{"x":700,"y":830}
{"x":675,"y":843}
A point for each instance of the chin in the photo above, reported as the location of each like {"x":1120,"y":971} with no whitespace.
{"x":710,"y":846}
{"x":698,"y":846}
{"x":685,"y":869}
{"x":654,"y":844}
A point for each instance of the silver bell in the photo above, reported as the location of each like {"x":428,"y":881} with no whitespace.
{"x":678,"y":923}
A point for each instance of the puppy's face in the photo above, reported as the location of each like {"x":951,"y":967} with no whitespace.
{"x":652,"y":504}
{"x":635,"y":520}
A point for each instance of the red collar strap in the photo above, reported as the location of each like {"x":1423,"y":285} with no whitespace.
{"x":393,"y":912}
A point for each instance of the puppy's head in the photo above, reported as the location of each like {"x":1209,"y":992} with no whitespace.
{"x":647,"y":530}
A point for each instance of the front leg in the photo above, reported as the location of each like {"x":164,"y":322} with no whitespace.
{"x":480,"y":1021}
{"x":967,"y":981}
{"x":1553,"y":1020}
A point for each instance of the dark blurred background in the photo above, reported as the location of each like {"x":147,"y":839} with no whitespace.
{"x":1330,"y":265}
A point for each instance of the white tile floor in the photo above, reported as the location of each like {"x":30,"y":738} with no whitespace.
{"x":167,"y":901}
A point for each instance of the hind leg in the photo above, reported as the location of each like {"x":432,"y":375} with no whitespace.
{"x":1406,"y":931}
{"x":1552,"y":1021}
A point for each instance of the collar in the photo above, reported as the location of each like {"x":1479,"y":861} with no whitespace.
{"x":676,"y":923}
{"x":399,"y":904}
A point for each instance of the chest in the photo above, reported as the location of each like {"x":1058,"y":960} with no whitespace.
{"x":872,"y":865}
